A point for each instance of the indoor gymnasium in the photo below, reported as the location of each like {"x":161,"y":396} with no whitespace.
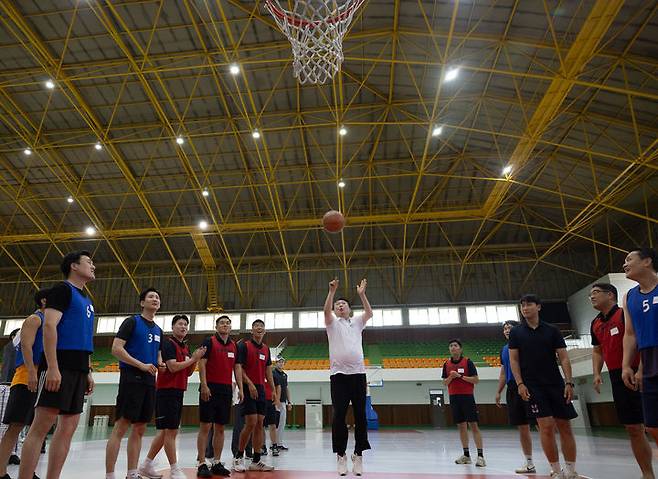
{"x":313,"y":239}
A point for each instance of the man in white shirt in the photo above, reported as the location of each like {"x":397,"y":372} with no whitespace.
{"x":348,"y":373}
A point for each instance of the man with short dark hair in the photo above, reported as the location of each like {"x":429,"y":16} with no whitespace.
{"x":216,"y":370}
{"x":170,"y":387}
{"x":641,"y":306}
{"x":461,"y":376}
{"x":23,"y":392}
{"x":607,"y":331}
{"x":516,"y":410}
{"x":65,"y":369}
{"x":9,"y":358}
{"x":137,"y":347}
{"x":254,"y":357}
{"x":532,"y":349}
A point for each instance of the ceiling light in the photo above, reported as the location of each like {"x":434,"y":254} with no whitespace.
{"x":69,"y":199}
{"x":203,"y":224}
{"x":27,"y":151}
{"x":437,"y":130}
{"x":451,"y":74}
{"x":342,"y":131}
{"x":255,"y":134}
{"x":234,"y":69}
{"x":50,"y":84}
{"x":507,"y":170}
{"x":90,"y":230}
{"x":341,"y":183}
{"x":205,"y":192}
{"x":180,"y":140}
{"x":98,"y":146}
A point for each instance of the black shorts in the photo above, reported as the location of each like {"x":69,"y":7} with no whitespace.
{"x":135,"y":402}
{"x":20,"y":405}
{"x":168,"y":408}
{"x":650,"y":401}
{"x":71,"y":395}
{"x":628,"y":403}
{"x":516,"y":410}
{"x":463,"y":408}
{"x":254,"y":406}
{"x":217,"y":409}
{"x":549,"y":401}
{"x":271,"y":415}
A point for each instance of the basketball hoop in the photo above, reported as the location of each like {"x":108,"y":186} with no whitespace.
{"x":315,"y":29}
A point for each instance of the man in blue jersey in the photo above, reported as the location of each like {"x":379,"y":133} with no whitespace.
{"x":137,"y":347}
{"x":65,"y":369}
{"x":23,"y":392}
{"x":516,"y":410}
{"x":641,"y":306}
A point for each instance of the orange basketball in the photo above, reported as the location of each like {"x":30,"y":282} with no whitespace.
{"x":333,"y":221}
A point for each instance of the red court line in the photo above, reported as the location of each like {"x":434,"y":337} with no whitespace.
{"x":283,"y":474}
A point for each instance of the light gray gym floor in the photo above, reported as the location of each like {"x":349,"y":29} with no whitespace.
{"x":422,"y":453}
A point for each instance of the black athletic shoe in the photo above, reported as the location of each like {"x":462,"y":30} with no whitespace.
{"x":275,"y":451}
{"x":263,"y":451}
{"x":15,"y":460}
{"x":219,"y":470}
{"x":282,"y":448}
{"x":203,"y":471}
{"x":6,"y":476}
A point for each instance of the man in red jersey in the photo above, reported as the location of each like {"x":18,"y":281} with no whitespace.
{"x":254,"y":357}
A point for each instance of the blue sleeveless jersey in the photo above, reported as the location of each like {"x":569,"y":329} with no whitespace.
{"x":505,"y":362}
{"x":75,"y":330}
{"x":644,"y":313}
{"x":144,"y":343}
{"x":37,"y":347}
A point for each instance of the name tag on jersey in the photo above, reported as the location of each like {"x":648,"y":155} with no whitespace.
{"x":614,"y":331}
{"x":460,"y":370}
{"x":230,"y":354}
{"x":655,"y":300}
{"x":261,"y":357}
{"x":156,"y":338}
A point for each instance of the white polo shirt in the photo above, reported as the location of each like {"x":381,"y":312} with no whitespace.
{"x":345,"y":348}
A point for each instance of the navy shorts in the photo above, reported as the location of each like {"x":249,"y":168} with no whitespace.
{"x":549,"y":401}
{"x":254,"y":406}
{"x":516,"y":410}
{"x":650,"y":401}
{"x":463,"y":408}
{"x":628,"y":403}
{"x":217,"y":409}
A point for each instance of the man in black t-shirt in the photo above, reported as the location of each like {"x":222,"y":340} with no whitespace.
{"x":532,"y":349}
{"x":65,"y":371}
{"x":283,"y":392}
{"x":137,"y":347}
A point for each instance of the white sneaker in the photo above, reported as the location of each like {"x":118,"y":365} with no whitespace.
{"x":480,"y":462}
{"x":149,"y":471}
{"x":573,"y":475}
{"x":238,"y":464}
{"x":463,"y":460}
{"x":526,"y":469}
{"x":557,"y":475}
{"x":342,"y":465}
{"x":357,"y":464}
{"x":177,"y":473}
{"x":260,"y":466}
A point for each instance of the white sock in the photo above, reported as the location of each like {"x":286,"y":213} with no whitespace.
{"x":147,"y":461}
{"x":571,"y":467}
{"x":202,"y":461}
{"x":555,"y":466}
{"x":109,"y":475}
{"x":529,"y":460}
{"x":132,"y":473}
{"x":173,"y":466}
{"x":215,"y":461}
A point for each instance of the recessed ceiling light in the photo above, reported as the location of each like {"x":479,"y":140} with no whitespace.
{"x":341,"y":184}
{"x":234,"y":69}
{"x":437,"y":130}
{"x":507,"y":170}
{"x":203,"y":224}
{"x":255,"y":134}
{"x":50,"y":84}
{"x":451,"y":74}
{"x":342,"y":131}
{"x":90,"y":230}
{"x":27,"y":151}
{"x":205,"y":192}
{"x":180,"y":140}
{"x":69,"y":199}
{"x":98,"y":146}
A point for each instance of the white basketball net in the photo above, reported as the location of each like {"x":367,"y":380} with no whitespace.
{"x":315,"y":29}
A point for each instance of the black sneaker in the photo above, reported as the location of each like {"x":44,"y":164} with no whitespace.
{"x":14,"y":459}
{"x":219,"y":470}
{"x":282,"y":448}
{"x":275,"y":451}
{"x":263,"y":451}
{"x":203,"y":471}
{"x":6,"y":476}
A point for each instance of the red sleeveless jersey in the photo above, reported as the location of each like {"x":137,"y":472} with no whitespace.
{"x":609,"y":332}
{"x":256,"y":361}
{"x":177,"y":380}
{"x":458,"y":385}
{"x":221,"y":361}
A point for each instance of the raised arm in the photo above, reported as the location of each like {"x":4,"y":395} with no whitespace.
{"x":361,"y":291}
{"x":329,"y":302}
